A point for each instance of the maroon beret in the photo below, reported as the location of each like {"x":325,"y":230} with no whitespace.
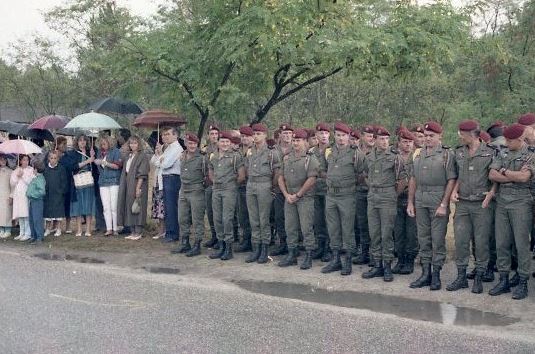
{"x":381,"y":131}
{"x":527,"y":119}
{"x":259,"y":127}
{"x":192,"y":137}
{"x":355,"y":133}
{"x":342,"y":127}
{"x":433,"y":127}
{"x":468,"y":125}
{"x":213,"y":127}
{"x":246,"y":130}
{"x":514,"y":131}
{"x":285,"y":126}
{"x":484,"y":136}
{"x":300,"y":134}
{"x":226,"y":134}
{"x":323,"y":127}
{"x":417,"y":128}
{"x":368,"y":129}
{"x":406,"y":134}
{"x":235,"y":140}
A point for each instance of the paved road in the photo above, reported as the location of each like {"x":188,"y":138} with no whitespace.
{"x":66,"y":307}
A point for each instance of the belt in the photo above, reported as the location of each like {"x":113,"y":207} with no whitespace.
{"x":171,"y":174}
{"x":257,"y":179}
{"x":189,"y":185}
{"x":431,"y":188}
{"x":381,"y":188}
{"x":337,"y":190}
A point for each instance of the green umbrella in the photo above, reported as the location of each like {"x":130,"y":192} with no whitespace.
{"x":93,"y":121}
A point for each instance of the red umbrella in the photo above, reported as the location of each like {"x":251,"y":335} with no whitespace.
{"x":49,"y":122}
{"x":156,"y":118}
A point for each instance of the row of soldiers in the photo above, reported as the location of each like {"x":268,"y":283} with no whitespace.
{"x":362,"y":200}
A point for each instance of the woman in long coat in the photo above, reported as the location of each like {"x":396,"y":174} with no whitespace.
{"x":20,"y":179}
{"x":134,"y":184}
{"x":5,"y":198}
{"x":56,"y":188}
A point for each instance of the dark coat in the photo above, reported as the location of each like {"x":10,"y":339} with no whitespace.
{"x":70,"y":161}
{"x":127,"y":191}
{"x":56,"y":187}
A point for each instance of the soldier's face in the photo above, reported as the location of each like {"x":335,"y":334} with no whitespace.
{"x":259,"y":137}
{"x":213,"y":135}
{"x":529,"y":134}
{"x":466,"y":137}
{"x":224,"y":144}
{"x":382,"y":142}
{"x":514,"y":144}
{"x":341,"y":138}
{"x":286,"y":136}
{"x":352,"y":141}
{"x":299,"y":144}
{"x":313,"y":141}
{"x":246,"y":140}
{"x":323,"y":137}
{"x":405,"y":145}
{"x":368,"y":139}
{"x":432,"y":139}
{"x":191,"y":146}
{"x":419,"y":139}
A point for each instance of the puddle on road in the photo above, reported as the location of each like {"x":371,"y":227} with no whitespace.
{"x":162,"y":270}
{"x":68,"y":257}
{"x":421,"y":310}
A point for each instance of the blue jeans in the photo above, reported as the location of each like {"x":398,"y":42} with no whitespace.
{"x":37,"y":221}
{"x":171,"y":187}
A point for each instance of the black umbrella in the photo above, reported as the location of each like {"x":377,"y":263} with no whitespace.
{"x":116,"y":105}
{"x":71,"y":131}
{"x":7,"y":125}
{"x":38,"y":134}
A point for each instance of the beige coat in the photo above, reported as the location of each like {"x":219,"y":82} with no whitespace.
{"x":139,"y":168}
{"x":5,"y":196}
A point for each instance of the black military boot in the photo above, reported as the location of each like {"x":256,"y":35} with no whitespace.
{"x":281,"y":249}
{"x":399,"y":264}
{"x":184,"y":246}
{"x":318,"y":252}
{"x":461,"y":282}
{"x":376,"y":271}
{"x":503,"y":285}
{"x":327,"y":253}
{"x":263,"y":258}
{"x":408,"y":265}
{"x":424,"y":279}
{"x":253,"y":257}
{"x":477,"y":287}
{"x":334,"y":265}
{"x":347,"y":265}
{"x":290,"y":259}
{"x":515,"y":279}
{"x":521,"y":290}
{"x":471,"y":274}
{"x":227,"y":254}
{"x":244,"y":246}
{"x":195,"y":251}
{"x":211,"y":242}
{"x":435,"y":278}
{"x":307,"y":261}
{"x":218,"y":252}
{"x":387,"y":271}
{"x":364,"y":256}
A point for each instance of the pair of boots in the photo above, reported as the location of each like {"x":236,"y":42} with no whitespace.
{"x":504,"y":286}
{"x":363,"y":257}
{"x":259,"y":254}
{"x":245,"y":245}
{"x":212,"y":242}
{"x":488,"y":274}
{"x":336,"y":264}
{"x":280,"y":250}
{"x":461,"y":282}
{"x":186,"y":248}
{"x":405,"y":265}
{"x":380,"y":269}
{"x":291,"y":259}
{"x":223,"y":251}
{"x":428,"y":278}
{"x":323,"y":251}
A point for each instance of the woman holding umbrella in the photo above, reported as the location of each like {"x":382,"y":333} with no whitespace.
{"x":20,"y":179}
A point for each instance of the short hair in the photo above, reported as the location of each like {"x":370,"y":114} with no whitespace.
{"x":124,"y":133}
{"x":138,"y":139}
{"x":39,"y":166}
{"x":495,"y":132}
{"x":173,"y":130}
{"x":111,"y":141}
{"x":53,"y":152}
{"x":60,"y":140}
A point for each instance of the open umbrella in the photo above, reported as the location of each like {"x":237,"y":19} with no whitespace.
{"x":156,"y":118}
{"x":49,"y":122}
{"x":7,"y":125}
{"x":25,"y":131}
{"x":93,"y":121}
{"x":19,"y":146}
{"x":116,"y":105}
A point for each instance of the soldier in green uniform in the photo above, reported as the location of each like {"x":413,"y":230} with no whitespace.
{"x":528,"y":120}
{"x":344,"y":164}
{"x":513,"y":173}
{"x":386,"y":176}
{"x":193,"y":171}
{"x":226,"y":172}
{"x":418,"y":131}
{"x":209,"y":149}
{"x":432,"y":180}
{"x":243,"y":215}
{"x":263,"y":166}
{"x":299,"y":171}
{"x":473,"y":193}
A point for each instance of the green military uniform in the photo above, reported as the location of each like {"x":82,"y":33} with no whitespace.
{"x":296,"y":169}
{"x":362,"y":232}
{"x":225,"y":166}
{"x":243,"y":214}
{"x":513,"y":213}
{"x":209,"y":150}
{"x":343,"y":167}
{"x":384,"y":170}
{"x":432,"y":169}
{"x":278,"y":208}
{"x":320,"y":190}
{"x":193,"y":170}
{"x":261,"y":163}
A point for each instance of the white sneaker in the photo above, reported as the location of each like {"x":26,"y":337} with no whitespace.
{"x":25,"y":238}
{"x":47,"y":232}
{"x":18,"y":237}
{"x":57,"y":233}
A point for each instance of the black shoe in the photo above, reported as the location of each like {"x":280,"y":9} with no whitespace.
{"x":290,"y":259}
{"x":488,"y":276}
{"x":477,"y":287}
{"x":244,"y":246}
{"x":424,"y":279}
{"x":503,"y":285}
{"x":472,"y":274}
{"x":125,"y":230}
{"x":327,"y":254}
{"x":334,"y":265}
{"x":253,"y":257}
{"x":435,"y":278}
{"x":399,"y":265}
{"x":408,"y":266}
{"x":281,"y":249}
{"x":184,"y":247}
{"x":387,"y":271}
{"x":461,"y":282}
{"x":263,"y":258}
{"x":195,"y":251}
{"x":307,"y":261}
{"x":218,"y":252}
{"x":211,"y":242}
{"x":347,"y":265}
{"x":375,"y":272}
{"x":515,"y":280}
{"x":227,"y":254}
{"x":521,"y":290}
{"x":318,"y":252}
{"x":364,"y":256}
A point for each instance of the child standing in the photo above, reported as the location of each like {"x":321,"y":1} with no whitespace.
{"x":36,"y":195}
{"x":56,"y":188}
{"x":20,"y":178}
{"x":5,"y":198}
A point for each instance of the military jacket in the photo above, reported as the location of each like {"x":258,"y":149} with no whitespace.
{"x":321,"y":187}
{"x":473,"y":171}
{"x":225,"y":166}
{"x":193,"y":171}
{"x":362,"y":186}
{"x":384,"y":168}
{"x":261,"y":163}
{"x":343,"y":166}
{"x":296,"y":169}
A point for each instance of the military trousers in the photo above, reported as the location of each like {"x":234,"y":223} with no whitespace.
{"x":278,"y":211}
{"x":320,"y":224}
{"x":492,"y":234}
{"x":405,"y":239}
{"x":243,"y":214}
{"x":259,"y":200}
{"x":299,"y":216}
{"x":224,"y":205}
{"x":513,"y":226}
{"x":431,"y":235}
{"x":340,"y":215}
{"x":471,"y":219}
{"x":361,"y":217}
{"x":209,"y":210}
{"x":191,"y":212}
{"x":381,"y":219}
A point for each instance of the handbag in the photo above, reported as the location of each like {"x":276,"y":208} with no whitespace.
{"x":84,"y":179}
{"x":136,"y":206}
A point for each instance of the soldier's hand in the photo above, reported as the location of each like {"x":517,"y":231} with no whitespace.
{"x":487,"y":200}
{"x":454,"y":196}
{"x":441,"y":211}
{"x":410,"y":210}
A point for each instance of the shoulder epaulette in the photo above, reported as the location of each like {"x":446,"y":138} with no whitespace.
{"x":446,"y":147}
{"x":416,"y":153}
{"x":328,"y":152}
{"x":459,"y":146}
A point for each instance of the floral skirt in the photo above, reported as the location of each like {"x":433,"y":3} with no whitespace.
{"x":157,"y":210}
